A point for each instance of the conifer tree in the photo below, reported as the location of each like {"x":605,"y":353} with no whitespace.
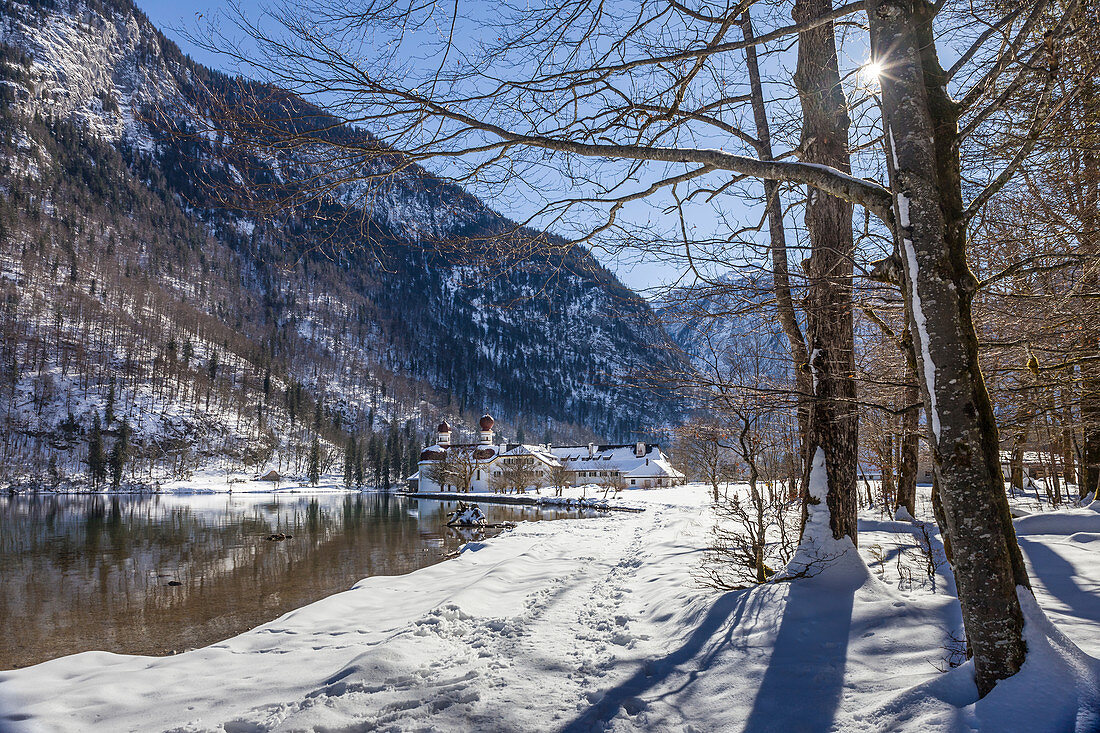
{"x":375,"y":458}
{"x":360,"y":477}
{"x":350,"y":460}
{"x":120,"y":452}
{"x":315,"y":461}
{"x":97,"y":460}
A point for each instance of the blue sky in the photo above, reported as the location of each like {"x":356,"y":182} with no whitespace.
{"x":171,"y":15}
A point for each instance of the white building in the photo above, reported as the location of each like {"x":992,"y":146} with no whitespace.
{"x":471,"y":460}
{"x":482,"y":464}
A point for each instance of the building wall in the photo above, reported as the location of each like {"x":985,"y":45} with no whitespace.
{"x":652,"y":477}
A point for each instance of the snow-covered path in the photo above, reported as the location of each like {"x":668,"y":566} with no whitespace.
{"x":592,"y":624}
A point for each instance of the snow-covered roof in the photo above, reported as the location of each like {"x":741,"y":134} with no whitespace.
{"x":621,"y":458}
{"x":539,"y":452}
{"x":1030,"y":456}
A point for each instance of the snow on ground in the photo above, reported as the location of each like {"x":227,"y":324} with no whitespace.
{"x":598,"y":624}
{"x":214,"y":481}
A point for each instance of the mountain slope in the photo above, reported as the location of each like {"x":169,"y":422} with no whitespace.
{"x":727,"y":326}
{"x":219,"y":331}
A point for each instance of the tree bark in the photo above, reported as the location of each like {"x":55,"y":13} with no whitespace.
{"x":922,"y":129}
{"x":1090,"y":425}
{"x":1016,"y":459}
{"x":1090,"y":244}
{"x":833,"y":420}
{"x":1068,"y":463}
{"x":888,"y":466}
{"x":910,"y":450}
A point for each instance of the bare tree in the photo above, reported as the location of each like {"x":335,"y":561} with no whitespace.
{"x":755,"y":535}
{"x":702,"y":451}
{"x":559,"y":476}
{"x":513,"y":474}
{"x":463,"y":464}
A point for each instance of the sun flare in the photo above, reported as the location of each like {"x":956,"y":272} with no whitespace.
{"x":871,"y":71}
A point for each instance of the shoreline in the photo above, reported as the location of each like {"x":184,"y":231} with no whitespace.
{"x":564,"y":502}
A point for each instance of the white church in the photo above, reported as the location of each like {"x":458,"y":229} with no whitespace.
{"x":638,"y":465}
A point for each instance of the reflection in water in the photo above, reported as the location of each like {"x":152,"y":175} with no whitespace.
{"x":162,"y":573}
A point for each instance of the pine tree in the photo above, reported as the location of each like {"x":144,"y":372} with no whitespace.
{"x":350,"y":460}
{"x":360,"y":477}
{"x":212,"y":366}
{"x":97,"y":460}
{"x":413,"y":459}
{"x":375,"y":458}
{"x":315,"y":461}
{"x":394,"y":452}
{"x":120,"y":452}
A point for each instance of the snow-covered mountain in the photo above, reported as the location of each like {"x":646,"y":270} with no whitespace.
{"x":216,"y":331}
{"x":727,"y":324}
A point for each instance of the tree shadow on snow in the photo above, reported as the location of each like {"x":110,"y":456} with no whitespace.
{"x":804,"y":682}
{"x":725,"y":613}
{"x":1056,"y":574}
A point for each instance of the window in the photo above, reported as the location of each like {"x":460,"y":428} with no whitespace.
{"x":631,"y":482}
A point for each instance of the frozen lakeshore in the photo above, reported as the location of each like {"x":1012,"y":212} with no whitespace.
{"x":599,"y":624}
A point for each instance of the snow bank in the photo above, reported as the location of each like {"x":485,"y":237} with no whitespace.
{"x":901,"y":514}
{"x":1062,"y":522}
{"x":819,"y":553}
{"x":1056,"y":690}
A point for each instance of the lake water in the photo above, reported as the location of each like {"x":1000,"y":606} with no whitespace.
{"x":159,"y":574}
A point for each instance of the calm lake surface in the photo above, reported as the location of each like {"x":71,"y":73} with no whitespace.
{"x":158,"y":574}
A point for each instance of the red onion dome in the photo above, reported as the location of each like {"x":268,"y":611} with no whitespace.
{"x":487,"y":422}
{"x":444,"y":427}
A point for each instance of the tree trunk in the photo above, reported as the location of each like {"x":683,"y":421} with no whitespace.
{"x":1068,"y":464}
{"x":1090,"y":244}
{"x":1016,"y":460}
{"x":888,"y":467}
{"x":833,"y":420}
{"x":941,"y":522}
{"x":1090,"y":426}
{"x":910,"y":451}
{"x":922,"y":128}
{"x":781,"y":281}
